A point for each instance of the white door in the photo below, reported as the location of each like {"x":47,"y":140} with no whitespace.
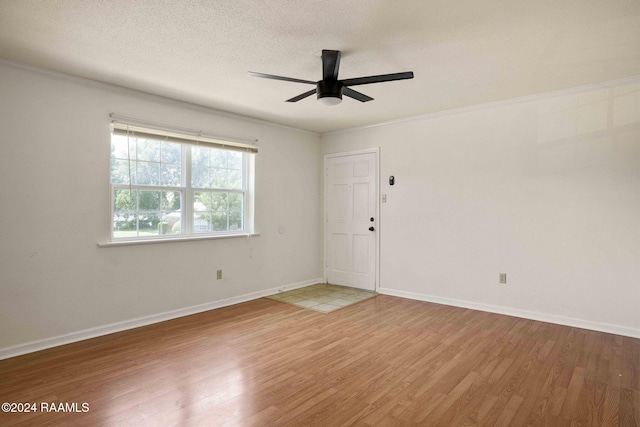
{"x":350,"y":219}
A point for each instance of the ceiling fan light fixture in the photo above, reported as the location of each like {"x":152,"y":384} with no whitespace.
{"x":330,"y":100}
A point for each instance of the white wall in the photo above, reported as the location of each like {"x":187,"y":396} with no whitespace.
{"x":545,"y":189}
{"x":54,"y":170}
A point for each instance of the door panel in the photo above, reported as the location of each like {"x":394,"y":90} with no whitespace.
{"x":340,"y":244}
{"x":361,"y":168}
{"x":360,"y":254}
{"x":340,"y":206}
{"x":351,"y":196}
{"x":361,"y":202}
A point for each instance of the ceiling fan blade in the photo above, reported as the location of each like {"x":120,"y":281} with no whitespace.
{"x":286,"y":79}
{"x":356,"y":95}
{"x":330,"y":64}
{"x":301,"y":96}
{"x":378,"y":79}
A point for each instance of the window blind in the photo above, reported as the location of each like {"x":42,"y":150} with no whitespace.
{"x":126,"y":129}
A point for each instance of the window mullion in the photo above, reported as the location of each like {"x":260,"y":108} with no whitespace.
{"x":248,"y":198}
{"x":148,"y":187}
{"x":112,"y":210}
{"x":137,"y":211}
{"x":187,"y":210}
{"x":228,"y":213}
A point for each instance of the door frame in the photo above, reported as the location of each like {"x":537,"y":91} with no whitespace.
{"x":376,"y":180}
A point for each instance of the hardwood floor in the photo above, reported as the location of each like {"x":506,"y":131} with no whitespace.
{"x":384,"y":361}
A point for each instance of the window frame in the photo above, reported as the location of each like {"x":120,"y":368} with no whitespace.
{"x":186,"y":189}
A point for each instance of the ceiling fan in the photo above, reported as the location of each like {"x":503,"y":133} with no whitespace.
{"x":330,"y":89}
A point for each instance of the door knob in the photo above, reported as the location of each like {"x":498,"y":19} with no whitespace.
{"x":371,"y":229}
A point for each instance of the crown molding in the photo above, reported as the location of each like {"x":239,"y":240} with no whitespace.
{"x":87,"y":82}
{"x":494,"y":104}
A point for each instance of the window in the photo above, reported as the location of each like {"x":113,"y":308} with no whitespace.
{"x":166,"y":185}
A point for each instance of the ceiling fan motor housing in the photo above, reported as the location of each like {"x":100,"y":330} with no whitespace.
{"x":329,"y":89}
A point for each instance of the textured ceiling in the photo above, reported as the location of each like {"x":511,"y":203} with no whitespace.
{"x":463,"y":52}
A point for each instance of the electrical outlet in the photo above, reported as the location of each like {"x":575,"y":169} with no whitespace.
{"x":503,"y":277}
{"x":219,"y":275}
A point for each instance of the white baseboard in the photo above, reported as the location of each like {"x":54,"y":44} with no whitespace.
{"x":45,"y":343}
{"x":525,"y":314}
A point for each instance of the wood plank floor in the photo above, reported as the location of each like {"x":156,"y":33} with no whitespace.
{"x":384,"y":361}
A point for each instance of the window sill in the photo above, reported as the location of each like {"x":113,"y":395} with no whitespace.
{"x":175,"y":239}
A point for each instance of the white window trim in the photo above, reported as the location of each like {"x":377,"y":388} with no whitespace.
{"x":198,"y":138}
{"x":176,"y":239}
